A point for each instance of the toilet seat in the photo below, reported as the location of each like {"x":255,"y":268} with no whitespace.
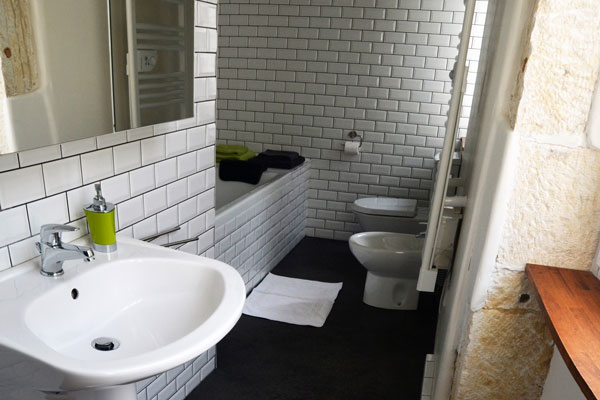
{"x":388,"y":206}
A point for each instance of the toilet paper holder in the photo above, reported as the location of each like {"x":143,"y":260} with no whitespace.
{"x":353,"y":135}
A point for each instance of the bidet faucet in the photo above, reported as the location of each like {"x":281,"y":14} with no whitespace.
{"x":54,"y":252}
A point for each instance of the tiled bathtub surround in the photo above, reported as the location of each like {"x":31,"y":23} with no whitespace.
{"x":300,"y":74}
{"x":159,"y":176}
{"x":270,"y":223}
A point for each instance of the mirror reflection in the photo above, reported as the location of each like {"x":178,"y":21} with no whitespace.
{"x":74,"y":69}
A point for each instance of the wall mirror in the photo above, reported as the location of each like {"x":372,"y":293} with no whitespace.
{"x":73,"y":69}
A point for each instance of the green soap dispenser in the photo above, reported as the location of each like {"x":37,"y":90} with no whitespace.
{"x":101,"y":221}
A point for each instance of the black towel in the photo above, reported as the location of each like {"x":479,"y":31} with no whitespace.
{"x":280,"y":159}
{"x":248,"y":171}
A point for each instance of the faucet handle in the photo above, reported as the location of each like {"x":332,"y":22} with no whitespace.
{"x":50,"y":233}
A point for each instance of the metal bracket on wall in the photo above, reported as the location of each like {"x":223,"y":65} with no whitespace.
{"x":155,"y":236}
{"x":171,"y":244}
{"x":455,"y":201}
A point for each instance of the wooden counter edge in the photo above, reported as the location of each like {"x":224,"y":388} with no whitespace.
{"x":535,"y":269}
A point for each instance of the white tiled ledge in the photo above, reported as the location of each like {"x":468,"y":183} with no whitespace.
{"x":255,"y":240}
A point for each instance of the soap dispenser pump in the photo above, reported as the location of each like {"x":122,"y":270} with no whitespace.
{"x":101,"y":220}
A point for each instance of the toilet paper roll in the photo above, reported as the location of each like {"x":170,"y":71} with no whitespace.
{"x":351,"y":147}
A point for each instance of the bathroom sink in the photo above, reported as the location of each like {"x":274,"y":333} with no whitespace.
{"x":151,"y":308}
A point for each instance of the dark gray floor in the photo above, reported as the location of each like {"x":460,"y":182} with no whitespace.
{"x":360,"y":353}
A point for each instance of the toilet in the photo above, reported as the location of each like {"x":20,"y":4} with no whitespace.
{"x":387,"y":214}
{"x":392,"y":261}
{"x":390,"y":250}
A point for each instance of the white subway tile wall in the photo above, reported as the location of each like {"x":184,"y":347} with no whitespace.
{"x":481,"y":7}
{"x":178,"y":382}
{"x":268,"y":225}
{"x":159,"y":176}
{"x":299,"y":75}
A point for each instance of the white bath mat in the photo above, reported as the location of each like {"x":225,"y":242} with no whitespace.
{"x":291,"y":300}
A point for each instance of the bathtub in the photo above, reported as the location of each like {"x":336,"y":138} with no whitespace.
{"x":257,"y":225}
{"x":230,"y":193}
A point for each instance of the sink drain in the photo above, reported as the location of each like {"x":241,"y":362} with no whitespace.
{"x":105,"y":344}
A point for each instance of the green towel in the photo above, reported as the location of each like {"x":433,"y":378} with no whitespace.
{"x":231,"y":149}
{"x":242,"y":157}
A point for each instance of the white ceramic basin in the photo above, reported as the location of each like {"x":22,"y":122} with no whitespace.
{"x":163,"y":306}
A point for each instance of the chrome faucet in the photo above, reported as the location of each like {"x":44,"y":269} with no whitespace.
{"x":54,"y":252}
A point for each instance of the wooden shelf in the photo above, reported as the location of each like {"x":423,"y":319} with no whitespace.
{"x":570,"y":300}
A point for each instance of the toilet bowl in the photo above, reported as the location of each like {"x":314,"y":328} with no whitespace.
{"x":392,"y":261}
{"x":387,"y":214}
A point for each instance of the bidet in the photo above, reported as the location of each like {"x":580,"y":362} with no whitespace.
{"x":392,"y":261}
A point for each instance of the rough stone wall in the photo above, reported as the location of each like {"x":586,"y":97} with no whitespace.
{"x":555,"y":210}
{"x":508,"y":349}
{"x":19,"y":64}
{"x":553,"y":216}
{"x":4,"y":146}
